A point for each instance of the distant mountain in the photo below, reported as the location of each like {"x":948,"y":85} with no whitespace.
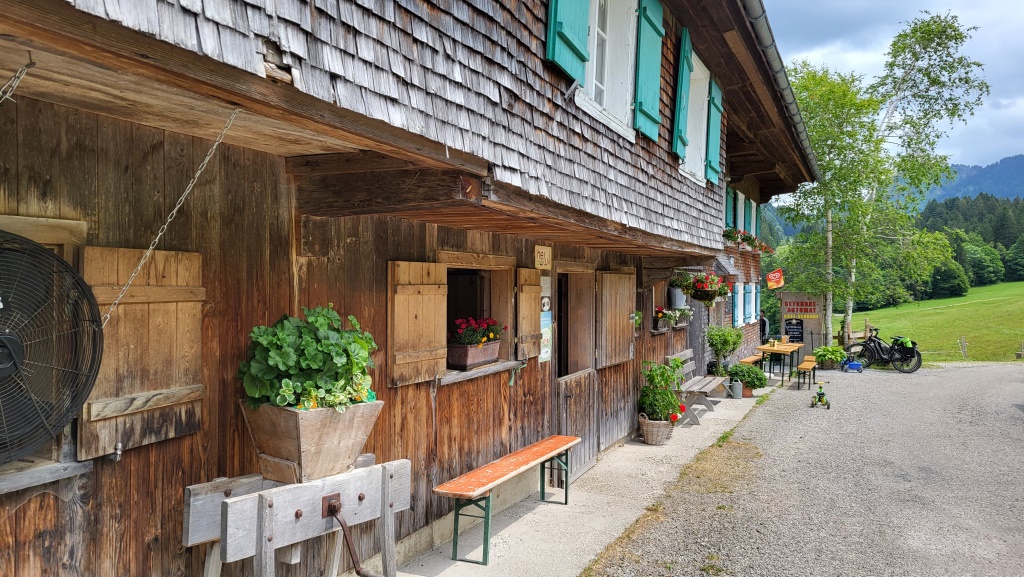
{"x":1004,"y":179}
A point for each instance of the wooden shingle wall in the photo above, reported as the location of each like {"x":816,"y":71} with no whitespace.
{"x":467,"y":74}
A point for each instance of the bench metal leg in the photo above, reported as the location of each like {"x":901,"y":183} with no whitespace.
{"x":485,"y":508}
{"x":562,"y":461}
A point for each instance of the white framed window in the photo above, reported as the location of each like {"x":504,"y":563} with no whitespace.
{"x":697,"y":121}
{"x":737,"y":312}
{"x":741,"y":209}
{"x":607,"y":94}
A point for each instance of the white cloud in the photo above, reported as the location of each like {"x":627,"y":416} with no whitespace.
{"x":852,"y":36}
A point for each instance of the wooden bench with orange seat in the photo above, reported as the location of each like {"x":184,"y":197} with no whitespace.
{"x":474,"y":488}
{"x":809,"y":368}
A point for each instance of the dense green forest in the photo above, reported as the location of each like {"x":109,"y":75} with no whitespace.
{"x":995,"y":220}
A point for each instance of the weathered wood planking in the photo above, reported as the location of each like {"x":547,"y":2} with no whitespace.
{"x":132,"y":404}
{"x":616,"y":299}
{"x":417,"y":333}
{"x":240,"y":514}
{"x":527,"y":326}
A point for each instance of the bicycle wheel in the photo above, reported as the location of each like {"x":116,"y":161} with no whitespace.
{"x":861,"y":354}
{"x":908,"y":364}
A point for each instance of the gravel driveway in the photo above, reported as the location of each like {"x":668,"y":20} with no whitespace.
{"x":906,"y":475}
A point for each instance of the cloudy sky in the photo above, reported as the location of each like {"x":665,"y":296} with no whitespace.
{"x":853,"y":35}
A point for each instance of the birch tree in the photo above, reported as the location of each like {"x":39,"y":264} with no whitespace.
{"x":876,"y":145}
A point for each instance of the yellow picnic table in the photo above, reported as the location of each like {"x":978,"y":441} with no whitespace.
{"x":783,"y":350}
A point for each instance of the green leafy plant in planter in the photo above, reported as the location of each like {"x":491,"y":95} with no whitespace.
{"x":749,"y":375}
{"x":638,"y":319}
{"x":723,"y":341}
{"x":309,"y":363}
{"x":658,"y":405}
{"x":829,"y":357}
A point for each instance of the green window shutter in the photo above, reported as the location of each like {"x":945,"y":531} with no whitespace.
{"x":568,"y":26}
{"x":736,"y":305}
{"x":646,"y":117}
{"x":730,"y":208}
{"x":748,"y":306}
{"x":679,"y":140}
{"x":746,"y":215}
{"x":757,"y":220}
{"x":714,"y":133}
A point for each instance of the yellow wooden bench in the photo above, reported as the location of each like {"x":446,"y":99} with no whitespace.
{"x":808,"y":368}
{"x":474,"y":488}
{"x":753,"y":359}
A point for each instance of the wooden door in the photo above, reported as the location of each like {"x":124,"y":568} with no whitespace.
{"x":580,"y":411}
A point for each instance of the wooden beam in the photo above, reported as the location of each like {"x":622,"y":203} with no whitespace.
{"x":517,"y":202}
{"x":105,"y":294}
{"x":56,"y":25}
{"x":120,"y":406}
{"x":477,"y":261}
{"x":344,"y":163}
{"x":46,"y":230}
{"x":384,"y":192}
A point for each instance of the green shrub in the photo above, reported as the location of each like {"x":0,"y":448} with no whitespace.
{"x":309,"y":363}
{"x":949,"y":280}
{"x":749,"y":375}
{"x":657,"y":400}
{"x":835,"y":354}
{"x":723,"y":341}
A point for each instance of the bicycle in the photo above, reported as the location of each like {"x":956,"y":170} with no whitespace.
{"x":902,"y":353}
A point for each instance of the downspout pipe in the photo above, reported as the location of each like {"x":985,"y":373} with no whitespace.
{"x":758,"y":18}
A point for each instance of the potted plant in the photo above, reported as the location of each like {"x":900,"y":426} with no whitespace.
{"x":474,"y":342}
{"x":638,"y":321}
{"x":664,"y":318}
{"x":751,"y":377}
{"x":683,"y":316}
{"x":309,"y":407}
{"x":702,"y":286}
{"x":723,"y":341}
{"x":829,"y":357}
{"x":676,"y":294}
{"x":659,"y":407}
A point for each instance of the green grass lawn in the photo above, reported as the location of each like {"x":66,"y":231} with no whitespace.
{"x":991,"y":317}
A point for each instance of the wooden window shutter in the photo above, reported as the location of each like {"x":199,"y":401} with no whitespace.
{"x":616,"y":299}
{"x":568,"y":27}
{"x":149,"y":386}
{"x":527,"y":313}
{"x":715,"y":110}
{"x":757,"y":300}
{"x":679,"y":139}
{"x":417,"y":321}
{"x":730,"y":208}
{"x":646,"y":116}
{"x":748,"y":305}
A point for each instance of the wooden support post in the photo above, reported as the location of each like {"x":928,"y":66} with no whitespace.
{"x":386,"y":524}
{"x":263,"y":564}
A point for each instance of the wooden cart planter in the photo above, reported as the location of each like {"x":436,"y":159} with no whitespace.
{"x":300,"y":445}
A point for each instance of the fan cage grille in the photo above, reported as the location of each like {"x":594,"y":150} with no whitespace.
{"x":50,"y":313}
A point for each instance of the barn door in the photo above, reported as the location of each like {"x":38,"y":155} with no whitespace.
{"x":149,"y":385}
{"x":580,"y":418}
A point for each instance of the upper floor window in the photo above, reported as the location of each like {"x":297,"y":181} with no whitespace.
{"x":697,"y":127}
{"x":696,"y":157}
{"x":613,"y":49}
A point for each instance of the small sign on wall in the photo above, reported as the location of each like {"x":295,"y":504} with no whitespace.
{"x":542,"y":257}
{"x":545,"y":319}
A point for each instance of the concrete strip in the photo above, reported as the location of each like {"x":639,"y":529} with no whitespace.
{"x":531,"y":538}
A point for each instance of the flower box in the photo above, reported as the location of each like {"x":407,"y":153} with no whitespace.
{"x":465,"y":357}
{"x":299,"y":445}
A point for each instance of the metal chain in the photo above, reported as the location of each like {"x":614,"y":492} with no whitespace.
{"x":170,"y":217}
{"x":8,"y":89}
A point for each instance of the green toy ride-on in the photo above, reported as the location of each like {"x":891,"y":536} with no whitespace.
{"x":819,"y":398}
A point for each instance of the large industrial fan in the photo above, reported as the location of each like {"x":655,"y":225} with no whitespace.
{"x":51,"y":342}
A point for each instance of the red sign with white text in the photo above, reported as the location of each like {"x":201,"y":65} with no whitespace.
{"x":775,"y":279}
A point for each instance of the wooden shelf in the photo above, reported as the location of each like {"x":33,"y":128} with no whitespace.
{"x":27,"y":473}
{"x":498,"y":367}
{"x":660,"y":331}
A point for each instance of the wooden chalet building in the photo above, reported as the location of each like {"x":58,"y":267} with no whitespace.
{"x":409,"y":162}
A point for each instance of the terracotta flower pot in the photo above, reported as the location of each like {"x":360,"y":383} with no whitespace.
{"x":299,"y":445}
{"x":747,"y":392}
{"x":465,"y":357}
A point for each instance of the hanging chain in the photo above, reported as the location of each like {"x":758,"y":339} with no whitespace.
{"x":8,"y":89}
{"x":170,"y":217}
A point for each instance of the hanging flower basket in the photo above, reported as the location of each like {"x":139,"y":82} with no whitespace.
{"x":705,"y":296}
